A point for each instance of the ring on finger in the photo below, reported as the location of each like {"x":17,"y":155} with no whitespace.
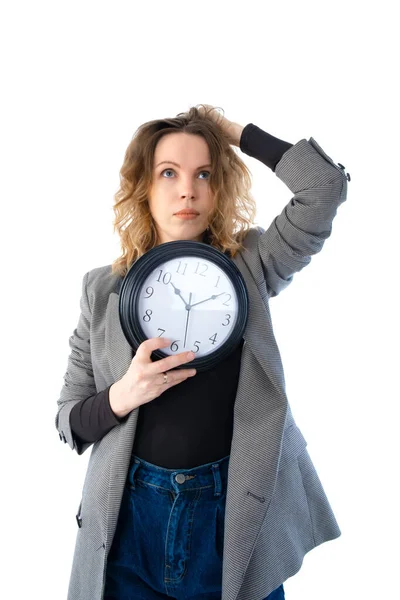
{"x":165,"y":378}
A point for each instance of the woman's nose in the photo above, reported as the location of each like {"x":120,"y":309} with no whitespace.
{"x":188,"y":190}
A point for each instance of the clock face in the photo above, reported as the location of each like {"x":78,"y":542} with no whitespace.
{"x":189,"y":293}
{"x":191,"y":301}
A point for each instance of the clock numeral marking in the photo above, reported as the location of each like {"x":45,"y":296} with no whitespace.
{"x":165,"y":275}
{"x":213,"y":339}
{"x":150,"y":293}
{"x":224,"y":303}
{"x":197,"y":348}
{"x":219,"y":277}
{"x":162,"y":331}
{"x":184,"y":270}
{"x":229,"y":320}
{"x":202,"y":274}
{"x":147,"y":314}
{"x":176,"y":346}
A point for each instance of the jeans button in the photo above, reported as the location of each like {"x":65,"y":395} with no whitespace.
{"x":180,"y":478}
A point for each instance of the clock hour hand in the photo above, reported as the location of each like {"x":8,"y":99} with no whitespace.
{"x":207,"y":299}
{"x":178,"y":293}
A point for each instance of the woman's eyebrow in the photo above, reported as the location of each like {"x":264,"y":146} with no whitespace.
{"x":171,"y":162}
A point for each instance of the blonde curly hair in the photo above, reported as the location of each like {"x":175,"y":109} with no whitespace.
{"x":230,"y":181}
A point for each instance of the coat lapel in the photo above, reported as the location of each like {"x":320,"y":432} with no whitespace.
{"x":118,"y":351}
{"x":259,"y":333}
{"x":259,"y":421}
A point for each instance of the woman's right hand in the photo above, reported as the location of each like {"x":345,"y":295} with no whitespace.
{"x":144,"y":380}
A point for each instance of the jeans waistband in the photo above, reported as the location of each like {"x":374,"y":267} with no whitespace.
{"x":180,"y":480}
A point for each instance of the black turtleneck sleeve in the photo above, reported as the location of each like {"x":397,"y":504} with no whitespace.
{"x":261,"y":145}
{"x":93,"y":417}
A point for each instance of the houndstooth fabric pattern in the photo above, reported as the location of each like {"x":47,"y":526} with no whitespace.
{"x":276,"y":508}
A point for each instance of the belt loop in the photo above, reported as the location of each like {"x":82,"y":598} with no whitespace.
{"x":132,"y":471}
{"x":217,"y":480}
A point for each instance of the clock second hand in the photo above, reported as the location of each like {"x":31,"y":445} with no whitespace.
{"x":188,"y":307}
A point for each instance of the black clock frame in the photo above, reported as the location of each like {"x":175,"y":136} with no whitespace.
{"x":138,"y":273}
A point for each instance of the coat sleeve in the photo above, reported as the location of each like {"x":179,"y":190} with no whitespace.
{"x":319,"y":187}
{"x":78,"y":380}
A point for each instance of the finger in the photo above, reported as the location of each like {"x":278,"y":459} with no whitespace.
{"x":171,"y":362}
{"x":145,"y":349}
{"x":174,"y":377}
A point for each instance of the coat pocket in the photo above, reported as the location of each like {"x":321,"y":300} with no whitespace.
{"x":89,"y":533}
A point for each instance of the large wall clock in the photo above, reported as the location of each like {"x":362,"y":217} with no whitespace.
{"x":190,"y":293}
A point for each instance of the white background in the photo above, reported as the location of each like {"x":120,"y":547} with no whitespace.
{"x":77,"y":79}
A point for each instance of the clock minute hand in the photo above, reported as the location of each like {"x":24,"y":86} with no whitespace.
{"x":178,"y":293}
{"x":207,"y":299}
{"x":188,"y":307}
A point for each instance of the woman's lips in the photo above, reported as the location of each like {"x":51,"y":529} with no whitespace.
{"x":186,"y":216}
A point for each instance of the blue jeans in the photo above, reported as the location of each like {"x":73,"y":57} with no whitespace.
{"x":170,"y":534}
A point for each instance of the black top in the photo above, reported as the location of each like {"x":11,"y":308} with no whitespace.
{"x":191,"y":423}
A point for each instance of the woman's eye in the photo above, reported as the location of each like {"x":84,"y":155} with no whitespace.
{"x":172,"y":171}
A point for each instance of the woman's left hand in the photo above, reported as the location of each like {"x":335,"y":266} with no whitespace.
{"x":231,"y":130}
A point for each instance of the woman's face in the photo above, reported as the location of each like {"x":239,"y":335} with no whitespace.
{"x":181,"y":182}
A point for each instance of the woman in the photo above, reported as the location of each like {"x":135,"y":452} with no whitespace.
{"x":207,"y":491}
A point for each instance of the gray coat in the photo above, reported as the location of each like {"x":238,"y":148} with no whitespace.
{"x":276,"y":507}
